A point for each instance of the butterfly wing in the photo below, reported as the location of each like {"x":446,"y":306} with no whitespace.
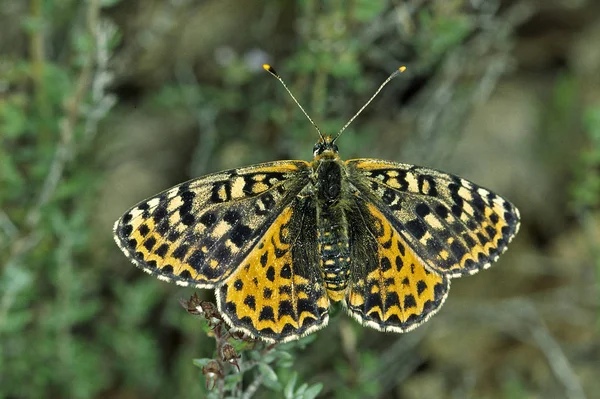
{"x":452,"y":225}
{"x":390,"y":289}
{"x":198,"y":232}
{"x":277,"y":293}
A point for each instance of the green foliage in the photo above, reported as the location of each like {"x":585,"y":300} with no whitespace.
{"x":441,"y":30}
{"x":239,"y":359}
{"x":514,"y":388}
{"x":71,"y":326}
{"x":47,"y":191}
{"x":586,"y":186}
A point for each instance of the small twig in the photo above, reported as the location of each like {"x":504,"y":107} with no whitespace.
{"x":401,"y":352}
{"x":556,"y":359}
{"x":520,"y":318}
{"x":101,"y":102}
{"x":15,"y":280}
{"x":7,"y":225}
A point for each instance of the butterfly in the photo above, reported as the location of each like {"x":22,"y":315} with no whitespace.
{"x":279,"y":242}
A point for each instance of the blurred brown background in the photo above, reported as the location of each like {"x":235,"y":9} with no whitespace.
{"x":104,"y":103}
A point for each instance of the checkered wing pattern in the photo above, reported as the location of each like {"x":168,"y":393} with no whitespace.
{"x":278,"y":292}
{"x":390,"y":289}
{"x":451,"y":225}
{"x":198,"y":233}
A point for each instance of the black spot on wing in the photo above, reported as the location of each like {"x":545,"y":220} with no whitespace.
{"x":458,"y":249}
{"x":271,"y":274}
{"x":264,"y":258}
{"x":149,"y":243}
{"x":208,"y":219}
{"x":266,"y":313}
{"x":160,"y":213}
{"x":144,"y":230}
{"x":180,"y":251}
{"x":286,"y":271}
{"x":126,"y":230}
{"x":409,"y":301}
{"x":185,"y":275}
{"x":162,"y":250}
{"x":188,"y":219}
{"x":250,"y":301}
{"x":399,"y":263}
{"x":285,"y":308}
{"x":127,"y":218}
{"x":240,"y":234}
{"x":422,"y":210}
{"x":391,"y":299}
{"x":238,"y":284}
{"x":196,"y":260}
{"x":385,"y":264}
{"x":417,"y":228}
{"x":441,"y":211}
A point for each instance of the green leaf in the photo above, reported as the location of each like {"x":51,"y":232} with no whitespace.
{"x":16,"y":321}
{"x":108,"y":3}
{"x":313,"y":391}
{"x":284,"y":355}
{"x":13,"y":120}
{"x":32,"y":24}
{"x":201,"y":362}
{"x":301,"y":390}
{"x":232,"y":380}
{"x":285,"y":364}
{"x":12,"y":180}
{"x":288,"y":391}
{"x":267,"y":372}
{"x":366,"y":10}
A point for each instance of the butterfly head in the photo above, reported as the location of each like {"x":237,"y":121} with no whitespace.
{"x":325,"y":146}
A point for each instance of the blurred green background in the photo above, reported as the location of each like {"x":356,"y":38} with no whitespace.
{"x":106,"y":102}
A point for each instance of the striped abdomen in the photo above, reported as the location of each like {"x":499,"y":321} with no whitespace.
{"x":332,"y":235}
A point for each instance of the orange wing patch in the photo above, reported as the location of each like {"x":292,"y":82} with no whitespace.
{"x":277,"y":293}
{"x":395,"y":292}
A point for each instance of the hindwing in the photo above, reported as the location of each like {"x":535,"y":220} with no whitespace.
{"x":198,"y":232}
{"x":454,"y":226}
{"x":277,"y":293}
{"x":390,"y":289}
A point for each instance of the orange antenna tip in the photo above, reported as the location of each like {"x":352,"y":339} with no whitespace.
{"x":401,"y":69}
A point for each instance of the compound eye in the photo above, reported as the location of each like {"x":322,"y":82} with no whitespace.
{"x":335,"y":148}
{"x":318,"y":148}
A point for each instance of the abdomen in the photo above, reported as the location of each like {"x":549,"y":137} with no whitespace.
{"x":334,"y":251}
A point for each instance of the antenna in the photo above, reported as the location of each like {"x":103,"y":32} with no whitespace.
{"x":272,"y":71}
{"x":392,"y":76}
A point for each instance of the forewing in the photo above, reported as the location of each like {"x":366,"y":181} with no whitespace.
{"x":198,"y":232}
{"x":454,"y":226}
{"x":390,"y":289}
{"x":278,"y":294}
